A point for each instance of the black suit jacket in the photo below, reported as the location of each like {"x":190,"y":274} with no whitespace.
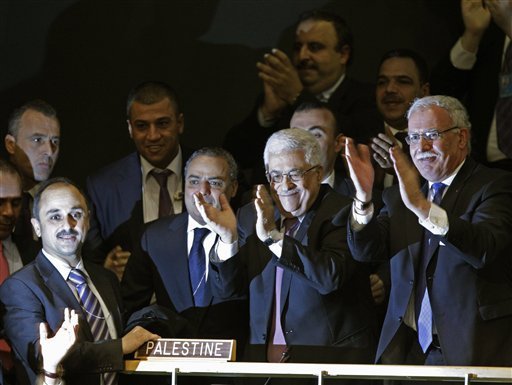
{"x":160,"y":265}
{"x":38,"y":293}
{"x":468,"y":274}
{"x":353,"y":102}
{"x":327,"y":310}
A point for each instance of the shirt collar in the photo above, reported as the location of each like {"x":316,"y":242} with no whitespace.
{"x":175,"y":166}
{"x":63,"y":267}
{"x":326,"y":95}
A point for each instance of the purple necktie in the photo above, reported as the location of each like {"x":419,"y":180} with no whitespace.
{"x":424,"y":311}
{"x":164,"y":199}
{"x":277,"y":343}
{"x":93,"y":313}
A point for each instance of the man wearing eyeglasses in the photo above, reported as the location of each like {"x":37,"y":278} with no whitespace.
{"x":173,"y":258}
{"x":448,"y":242}
{"x":309,"y":301}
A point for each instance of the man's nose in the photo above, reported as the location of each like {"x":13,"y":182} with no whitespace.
{"x":153,"y":133}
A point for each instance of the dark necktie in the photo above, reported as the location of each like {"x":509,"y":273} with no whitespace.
{"x":93,"y":313}
{"x":4,"y":266}
{"x":197,"y":267}
{"x":504,"y":107}
{"x":277,"y":343}
{"x":164,"y":199}
{"x":423,"y":308}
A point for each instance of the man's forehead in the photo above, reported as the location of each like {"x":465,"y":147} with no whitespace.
{"x":10,"y":185}
{"x":207,"y":167}
{"x":33,"y":122}
{"x":60,"y":195}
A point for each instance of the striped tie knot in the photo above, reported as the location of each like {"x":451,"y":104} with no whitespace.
{"x":77,"y":277}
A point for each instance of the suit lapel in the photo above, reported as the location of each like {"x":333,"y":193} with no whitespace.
{"x":170,"y":256}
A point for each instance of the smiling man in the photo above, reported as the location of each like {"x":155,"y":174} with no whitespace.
{"x":317,"y":70}
{"x":143,"y":186}
{"x":60,"y":278}
{"x":448,"y":243}
{"x":309,"y":301}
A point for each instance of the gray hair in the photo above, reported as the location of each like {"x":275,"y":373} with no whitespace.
{"x":216,"y":152}
{"x":293,"y":139}
{"x":456,"y":111}
{"x":454,"y":107}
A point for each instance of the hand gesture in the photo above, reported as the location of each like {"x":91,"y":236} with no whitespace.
{"x":361,"y":169}
{"x":222,"y":221}
{"x":281,"y":82}
{"x":55,"y":348}
{"x":476,"y":20}
{"x":408,"y":179}
{"x":381,"y":145}
{"x":116,"y":261}
{"x":501,"y":12}
{"x":265,"y":213}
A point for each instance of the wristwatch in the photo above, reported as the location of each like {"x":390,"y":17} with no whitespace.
{"x":274,"y":236}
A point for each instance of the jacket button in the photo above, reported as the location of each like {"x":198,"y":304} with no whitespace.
{"x":411,"y":282}
{"x":400,"y":319}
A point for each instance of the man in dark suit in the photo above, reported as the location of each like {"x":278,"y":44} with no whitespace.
{"x":317,"y":118}
{"x":130,"y":192}
{"x":165,"y":263}
{"x":41,"y":290}
{"x":478,"y":71}
{"x":448,"y":241}
{"x":309,"y":301}
{"x":321,"y":53}
{"x":33,"y":143}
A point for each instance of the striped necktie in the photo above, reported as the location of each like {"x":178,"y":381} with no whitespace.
{"x":93,"y":313}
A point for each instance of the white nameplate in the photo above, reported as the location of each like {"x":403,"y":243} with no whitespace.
{"x":185,"y":349}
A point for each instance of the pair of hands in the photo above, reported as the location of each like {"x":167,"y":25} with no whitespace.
{"x":386,"y":153}
{"x":222,"y":221}
{"x":281,"y":83}
{"x":477,"y":15}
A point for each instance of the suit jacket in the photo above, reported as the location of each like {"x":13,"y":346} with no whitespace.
{"x":116,"y":196}
{"x":353,"y":101}
{"x":477,"y":88}
{"x":468,"y":274}
{"x":160,"y":265}
{"x":327,"y":310}
{"x":38,"y":293}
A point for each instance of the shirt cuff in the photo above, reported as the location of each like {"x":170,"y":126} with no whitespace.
{"x":360,"y":219}
{"x":437,"y":220}
{"x":460,"y":58}
{"x":224,"y":251}
{"x":277,"y":248}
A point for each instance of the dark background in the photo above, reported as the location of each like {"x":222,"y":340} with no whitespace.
{"x":83,"y":56}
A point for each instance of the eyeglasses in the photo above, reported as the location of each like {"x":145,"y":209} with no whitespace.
{"x":293,"y":175}
{"x":431,"y":135}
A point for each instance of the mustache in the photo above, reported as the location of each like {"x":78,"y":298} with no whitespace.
{"x":306,"y":65}
{"x":392,"y":99}
{"x":64,"y":233}
{"x":424,"y":155}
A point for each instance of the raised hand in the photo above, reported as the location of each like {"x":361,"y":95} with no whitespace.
{"x":265,"y":222}
{"x":361,"y":169}
{"x":221,"y":221}
{"x":55,"y":348}
{"x":476,"y":19}
{"x":409,"y":181}
{"x":281,"y":82}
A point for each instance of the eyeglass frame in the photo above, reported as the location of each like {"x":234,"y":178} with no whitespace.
{"x":425,"y":135}
{"x":297,"y":178}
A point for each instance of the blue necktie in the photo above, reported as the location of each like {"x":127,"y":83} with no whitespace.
{"x":93,"y":313}
{"x":197,"y":267}
{"x":424,"y":323}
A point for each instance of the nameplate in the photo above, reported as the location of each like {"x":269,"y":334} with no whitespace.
{"x":187,"y":349}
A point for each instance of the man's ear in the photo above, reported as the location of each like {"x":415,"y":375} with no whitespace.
{"x":339,"y":142}
{"x":181,"y":123}
{"x":234,"y":189}
{"x":129,"y":128}
{"x":345,"y":53}
{"x":10,"y":143}
{"x":36,"y":226}
{"x":425,"y":89}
